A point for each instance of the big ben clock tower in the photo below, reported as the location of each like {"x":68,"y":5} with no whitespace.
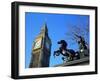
{"x":41,"y":49}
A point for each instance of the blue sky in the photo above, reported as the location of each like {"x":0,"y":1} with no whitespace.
{"x":58,"y":25}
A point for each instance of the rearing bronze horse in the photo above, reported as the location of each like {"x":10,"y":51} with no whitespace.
{"x":64,"y":51}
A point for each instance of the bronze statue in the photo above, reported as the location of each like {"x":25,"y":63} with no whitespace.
{"x":82,"y":45}
{"x":67,"y":53}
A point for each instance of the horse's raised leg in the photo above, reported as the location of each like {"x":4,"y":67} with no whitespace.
{"x":56,"y":53}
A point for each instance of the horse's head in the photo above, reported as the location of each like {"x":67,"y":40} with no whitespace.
{"x":62,"y":42}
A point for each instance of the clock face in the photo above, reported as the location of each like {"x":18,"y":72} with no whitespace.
{"x":37,"y":44}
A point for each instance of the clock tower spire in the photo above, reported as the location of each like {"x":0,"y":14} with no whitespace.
{"x":41,"y":49}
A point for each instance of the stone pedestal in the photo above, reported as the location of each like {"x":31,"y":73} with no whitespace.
{"x":82,"y":61}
